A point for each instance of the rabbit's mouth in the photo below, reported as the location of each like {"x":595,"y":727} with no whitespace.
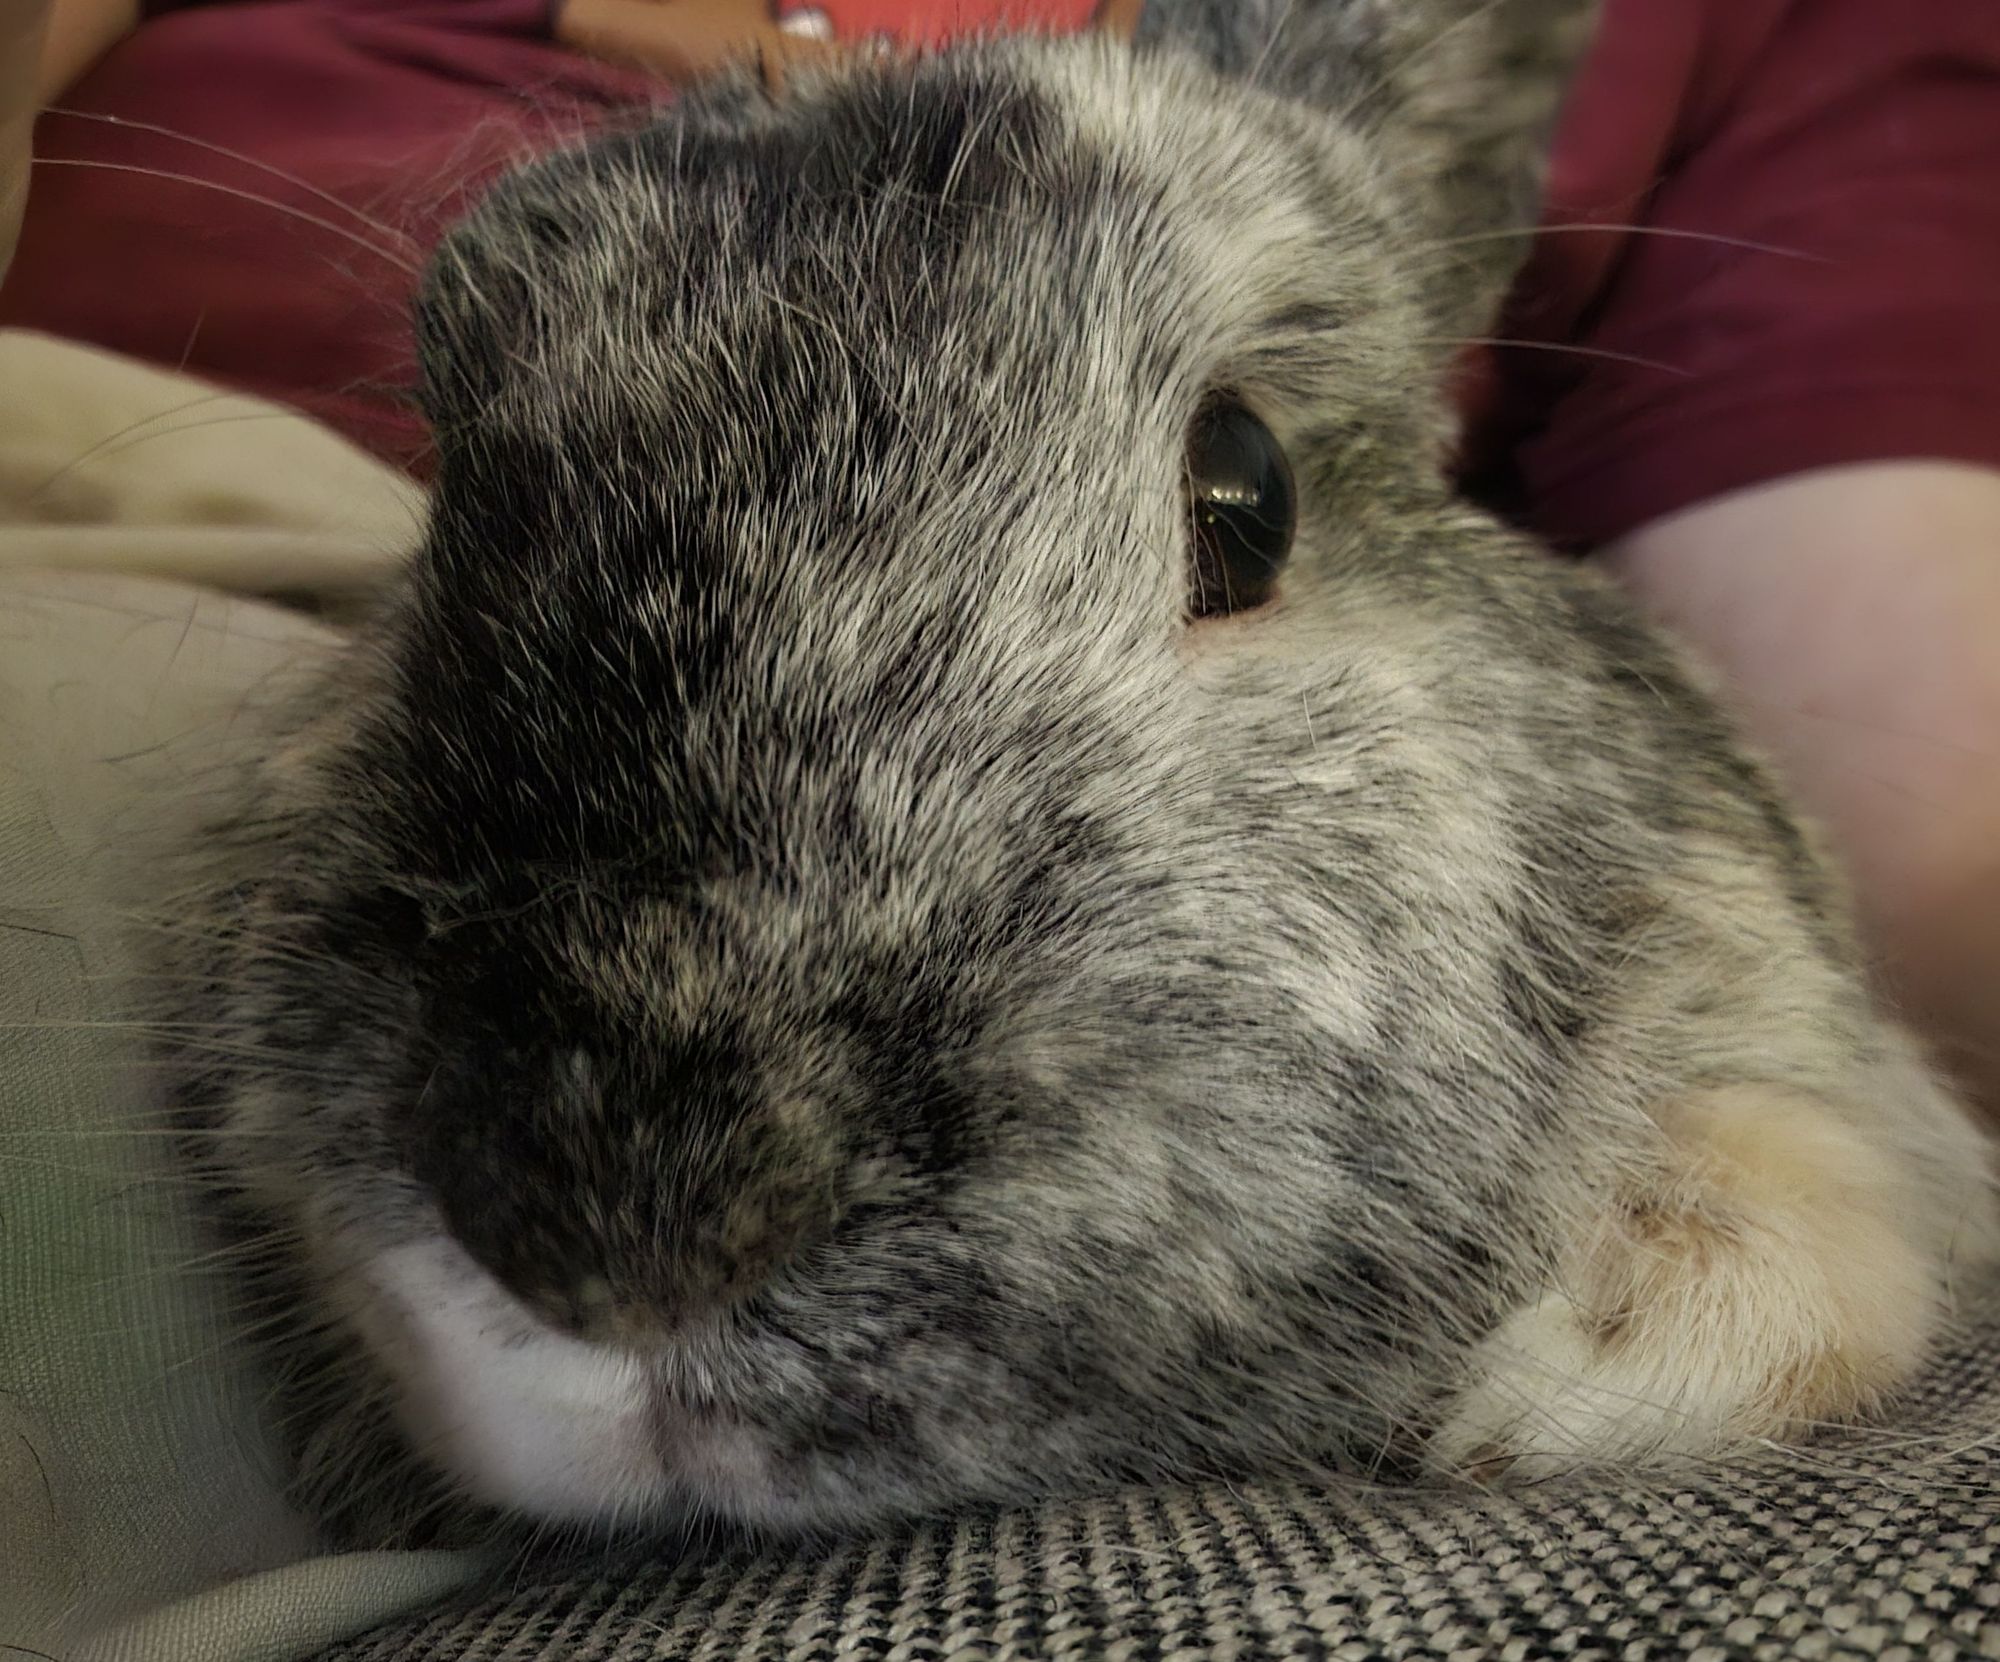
{"x":558,"y":1429}
{"x":522,"y":1416}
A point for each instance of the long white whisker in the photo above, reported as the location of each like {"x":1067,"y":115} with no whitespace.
{"x":407,"y":267}
{"x":224,"y":150}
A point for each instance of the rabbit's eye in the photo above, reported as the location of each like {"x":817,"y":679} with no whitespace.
{"x":1240,"y":494}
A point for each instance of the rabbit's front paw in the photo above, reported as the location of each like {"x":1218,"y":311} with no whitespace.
{"x":1762,"y":1277}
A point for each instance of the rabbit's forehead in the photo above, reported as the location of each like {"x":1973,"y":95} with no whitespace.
{"x":1003,"y":234}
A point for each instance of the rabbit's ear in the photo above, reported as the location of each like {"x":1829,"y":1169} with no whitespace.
{"x":1459,"y":96}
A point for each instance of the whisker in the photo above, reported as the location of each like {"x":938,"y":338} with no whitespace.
{"x":409,"y":268}
{"x":236,"y":1332}
{"x":126,"y":437}
{"x":1557,"y":346}
{"x":249,"y":161}
{"x":1669,"y":233}
{"x":1975,"y":753}
{"x":109,"y":439}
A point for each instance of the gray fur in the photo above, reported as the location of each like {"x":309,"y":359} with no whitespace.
{"x":786,"y":886}
{"x":1459,"y":98}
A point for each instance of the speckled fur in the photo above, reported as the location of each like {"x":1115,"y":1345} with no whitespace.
{"x":783,"y":891}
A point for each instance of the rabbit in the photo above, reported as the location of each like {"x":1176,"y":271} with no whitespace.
{"x":957,"y":875}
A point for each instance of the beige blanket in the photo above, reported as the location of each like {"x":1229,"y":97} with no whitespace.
{"x":140,"y":1514}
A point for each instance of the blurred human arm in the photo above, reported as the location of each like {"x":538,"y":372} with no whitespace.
{"x":681,"y":40}
{"x":1855,"y":611}
{"x":678,"y":39}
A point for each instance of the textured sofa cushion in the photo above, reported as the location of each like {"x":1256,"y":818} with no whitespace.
{"x":1884,"y":1543}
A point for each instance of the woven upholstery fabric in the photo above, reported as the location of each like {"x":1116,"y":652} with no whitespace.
{"x":1883,"y":1544}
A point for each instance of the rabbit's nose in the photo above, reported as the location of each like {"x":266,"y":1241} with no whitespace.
{"x":698,"y":1258}
{"x":636,"y":1257}
{"x":625,"y":1202}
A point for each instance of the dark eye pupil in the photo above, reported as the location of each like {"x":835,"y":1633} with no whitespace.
{"x":1240,"y":493}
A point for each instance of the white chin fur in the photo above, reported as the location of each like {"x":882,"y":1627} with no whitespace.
{"x":523,"y":1416}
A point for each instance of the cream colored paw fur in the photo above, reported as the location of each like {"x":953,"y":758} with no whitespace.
{"x":1766,"y":1275}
